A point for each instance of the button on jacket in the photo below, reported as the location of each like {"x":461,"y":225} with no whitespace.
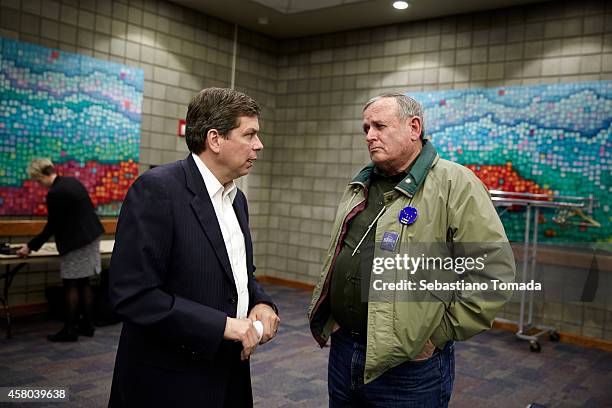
{"x":454,"y":207}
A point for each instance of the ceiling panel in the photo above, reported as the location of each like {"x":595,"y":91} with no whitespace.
{"x":299,"y":18}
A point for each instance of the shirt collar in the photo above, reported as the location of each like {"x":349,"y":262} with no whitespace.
{"x":418,"y":172}
{"x":213,"y":186}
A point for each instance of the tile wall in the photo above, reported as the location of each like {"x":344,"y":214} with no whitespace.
{"x":312,"y":90}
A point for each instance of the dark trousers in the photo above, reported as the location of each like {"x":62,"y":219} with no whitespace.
{"x":423,"y":384}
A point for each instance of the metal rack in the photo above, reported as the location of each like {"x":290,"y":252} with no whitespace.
{"x":530,"y":247}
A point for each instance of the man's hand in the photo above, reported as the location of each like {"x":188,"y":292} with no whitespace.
{"x":23,"y":251}
{"x":426,"y":352}
{"x":242,"y":330}
{"x":265,"y":314}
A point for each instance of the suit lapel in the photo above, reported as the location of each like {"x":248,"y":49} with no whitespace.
{"x":240,"y":210}
{"x":205,"y":213}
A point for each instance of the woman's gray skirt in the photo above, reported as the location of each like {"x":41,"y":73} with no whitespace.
{"x":81,"y":262}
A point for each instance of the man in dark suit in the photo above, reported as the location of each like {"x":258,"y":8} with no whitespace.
{"x":181,"y":273}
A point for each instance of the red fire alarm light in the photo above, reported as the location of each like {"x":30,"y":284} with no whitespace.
{"x":181,"y":128}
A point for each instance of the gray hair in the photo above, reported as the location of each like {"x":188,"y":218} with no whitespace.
{"x":407,"y":107}
{"x":40,"y":167}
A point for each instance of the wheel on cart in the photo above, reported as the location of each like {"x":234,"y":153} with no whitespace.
{"x":553,"y":336}
{"x":534,"y":346}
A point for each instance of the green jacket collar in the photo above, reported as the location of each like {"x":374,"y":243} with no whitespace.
{"x":415,"y":178}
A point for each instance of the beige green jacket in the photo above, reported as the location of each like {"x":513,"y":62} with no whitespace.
{"x":454,"y":206}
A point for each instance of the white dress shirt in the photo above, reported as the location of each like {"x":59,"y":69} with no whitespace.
{"x":222,"y":199}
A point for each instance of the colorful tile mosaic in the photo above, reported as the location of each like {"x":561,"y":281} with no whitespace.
{"x":83,"y":113}
{"x":552,"y":139}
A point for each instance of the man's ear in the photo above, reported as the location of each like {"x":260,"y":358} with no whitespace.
{"x":415,"y":127}
{"x":213,"y":140}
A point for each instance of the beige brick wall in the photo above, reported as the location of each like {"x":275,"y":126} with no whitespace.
{"x":312,"y":90}
{"x":325,"y":80}
{"x":180,"y":51}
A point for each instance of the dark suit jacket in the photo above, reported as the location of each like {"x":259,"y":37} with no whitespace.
{"x":72,"y":217}
{"x":171,"y":281}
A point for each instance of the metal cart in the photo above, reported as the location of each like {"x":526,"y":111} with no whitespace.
{"x":533,"y":203}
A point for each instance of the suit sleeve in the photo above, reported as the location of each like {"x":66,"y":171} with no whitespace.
{"x":53,"y":206}
{"x":475,"y":231}
{"x":257,"y":294}
{"x":139,"y":266}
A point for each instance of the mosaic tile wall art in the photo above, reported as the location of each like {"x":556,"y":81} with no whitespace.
{"x":82,"y":113}
{"x":551,"y":139}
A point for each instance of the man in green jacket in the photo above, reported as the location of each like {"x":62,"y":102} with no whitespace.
{"x":418,"y":259}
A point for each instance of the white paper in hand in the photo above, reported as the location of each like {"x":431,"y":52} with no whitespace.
{"x":259,"y":327}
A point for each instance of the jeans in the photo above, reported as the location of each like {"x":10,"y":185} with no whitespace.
{"x":423,"y":384}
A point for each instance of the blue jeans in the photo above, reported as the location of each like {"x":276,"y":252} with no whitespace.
{"x":423,"y":384}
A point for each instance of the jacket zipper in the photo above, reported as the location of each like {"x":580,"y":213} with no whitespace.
{"x":343,"y":229}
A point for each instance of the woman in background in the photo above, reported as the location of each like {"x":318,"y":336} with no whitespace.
{"x":73,"y":221}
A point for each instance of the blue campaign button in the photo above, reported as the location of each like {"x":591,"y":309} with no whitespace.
{"x":389,"y":241}
{"x":408,"y":215}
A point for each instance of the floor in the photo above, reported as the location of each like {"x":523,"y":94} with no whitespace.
{"x":492,"y":370}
